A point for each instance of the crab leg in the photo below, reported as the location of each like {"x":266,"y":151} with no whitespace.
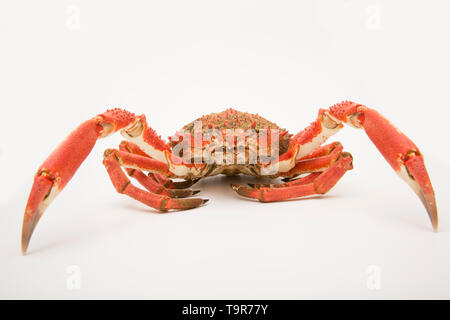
{"x":169,"y":184}
{"x":114,"y":159}
{"x":320,"y":184}
{"x":303,"y":180}
{"x":322,"y":151}
{"x":157,"y":188}
{"x":155,"y":177}
{"x":317,"y":161}
{"x":149,"y":183}
{"x":57,"y":170}
{"x":398,"y":150}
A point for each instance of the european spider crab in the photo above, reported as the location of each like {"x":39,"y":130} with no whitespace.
{"x":291,"y":156}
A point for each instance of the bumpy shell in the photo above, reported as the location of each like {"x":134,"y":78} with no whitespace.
{"x":234,"y":119}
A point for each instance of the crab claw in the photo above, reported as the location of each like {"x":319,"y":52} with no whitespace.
{"x":60,"y":166}
{"x":55,"y":173}
{"x":42,"y":193}
{"x":415,"y":174}
{"x":398,"y":150}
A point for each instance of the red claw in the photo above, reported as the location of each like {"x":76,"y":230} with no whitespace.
{"x":398,"y":150}
{"x":57,"y":170}
{"x":40,"y":196}
{"x":417,"y":177}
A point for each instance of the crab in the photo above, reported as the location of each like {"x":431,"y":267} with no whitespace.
{"x":306,"y":165}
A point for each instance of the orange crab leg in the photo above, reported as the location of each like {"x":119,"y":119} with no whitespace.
{"x":317,"y":161}
{"x":398,"y":150}
{"x":149,"y":183}
{"x":157,"y":188}
{"x":303,"y":180}
{"x":113,"y":162}
{"x":137,"y":163}
{"x":322,"y":151}
{"x":320,"y":184}
{"x":57,"y":170}
{"x":154,"y":178}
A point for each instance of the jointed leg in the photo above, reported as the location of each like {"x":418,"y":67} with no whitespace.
{"x":157,"y":188}
{"x":313,"y":184}
{"x":303,"y":180}
{"x":398,"y":150}
{"x":57,"y":170}
{"x":317,"y":161}
{"x":151,"y":184}
{"x":113,"y":161}
{"x":323,"y":151}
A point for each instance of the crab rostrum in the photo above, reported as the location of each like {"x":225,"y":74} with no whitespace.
{"x":230,"y":142}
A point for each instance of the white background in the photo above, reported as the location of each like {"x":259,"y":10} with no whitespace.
{"x":62,"y":62}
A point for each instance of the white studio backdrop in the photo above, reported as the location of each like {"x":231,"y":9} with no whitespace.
{"x":62,"y":62}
